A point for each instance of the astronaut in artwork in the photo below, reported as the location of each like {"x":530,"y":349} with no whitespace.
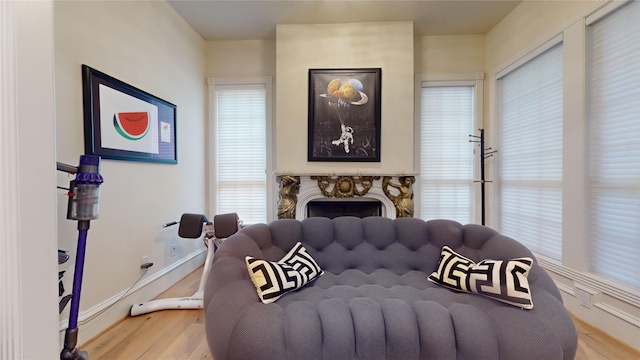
{"x":345,"y":138}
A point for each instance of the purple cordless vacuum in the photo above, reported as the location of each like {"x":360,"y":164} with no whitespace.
{"x":83,"y":206}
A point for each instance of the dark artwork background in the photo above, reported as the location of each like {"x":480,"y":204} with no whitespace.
{"x":325,"y":124}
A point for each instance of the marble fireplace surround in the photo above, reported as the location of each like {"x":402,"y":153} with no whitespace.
{"x":394,"y":192}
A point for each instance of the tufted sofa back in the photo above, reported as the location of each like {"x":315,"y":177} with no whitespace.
{"x":369,"y":244}
{"x":373,"y":243}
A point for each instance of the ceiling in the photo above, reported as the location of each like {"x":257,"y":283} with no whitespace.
{"x":251,"y":20}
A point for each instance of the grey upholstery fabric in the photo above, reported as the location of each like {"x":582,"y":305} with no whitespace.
{"x":374,"y":300}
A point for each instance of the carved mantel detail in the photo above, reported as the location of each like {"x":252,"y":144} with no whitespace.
{"x":403,"y":201}
{"x":394,"y":192}
{"x":289,"y":189}
{"x":345,"y":186}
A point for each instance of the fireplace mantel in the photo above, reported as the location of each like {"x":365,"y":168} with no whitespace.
{"x":394,"y":191}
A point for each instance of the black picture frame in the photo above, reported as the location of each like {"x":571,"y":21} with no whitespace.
{"x":344,"y":115}
{"x":122,"y":122}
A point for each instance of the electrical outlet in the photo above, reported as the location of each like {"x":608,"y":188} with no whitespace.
{"x":585,"y":298}
{"x":146,"y":263}
{"x":173,"y":250}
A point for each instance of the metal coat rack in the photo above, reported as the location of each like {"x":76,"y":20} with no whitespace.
{"x":484,"y":154}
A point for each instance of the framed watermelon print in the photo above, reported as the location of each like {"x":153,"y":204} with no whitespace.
{"x":122,"y":122}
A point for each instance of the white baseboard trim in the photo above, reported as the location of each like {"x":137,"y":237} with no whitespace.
{"x":593,"y":282}
{"x":633,"y":320}
{"x":88,"y":315}
{"x":565,"y":288}
{"x":611,"y":308}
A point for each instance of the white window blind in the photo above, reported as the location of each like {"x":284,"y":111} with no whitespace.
{"x":240,"y":135}
{"x":614,"y":146}
{"x":446,"y":155}
{"x":530,"y":158}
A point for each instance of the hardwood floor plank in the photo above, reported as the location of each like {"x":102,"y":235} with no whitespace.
{"x":156,"y":341}
{"x":149,"y":339}
{"x":187,"y":342}
{"x":180,"y":334}
{"x":593,"y":343}
{"x":134,"y":337}
{"x":120,"y":336}
{"x":201,"y":351}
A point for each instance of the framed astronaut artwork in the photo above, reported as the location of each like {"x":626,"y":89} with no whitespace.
{"x":344,"y":115}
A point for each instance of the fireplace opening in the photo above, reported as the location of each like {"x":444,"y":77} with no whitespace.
{"x":331,"y":208}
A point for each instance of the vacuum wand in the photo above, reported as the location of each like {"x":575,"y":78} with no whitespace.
{"x":83,"y":206}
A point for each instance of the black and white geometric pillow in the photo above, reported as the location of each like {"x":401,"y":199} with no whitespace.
{"x":502,"y":280}
{"x":274,"y":279}
{"x":452,"y":270}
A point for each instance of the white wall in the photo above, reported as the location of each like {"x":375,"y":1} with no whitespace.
{"x":36,"y":145}
{"x":526,"y":24}
{"x":359,"y":45}
{"x":241,"y":58}
{"x":613,"y":308}
{"x":28,"y":308}
{"x":449,"y":55}
{"x":149,"y":46}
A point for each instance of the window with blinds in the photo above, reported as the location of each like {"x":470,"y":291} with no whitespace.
{"x":614,"y":146}
{"x":446,"y":155}
{"x":530,"y":159}
{"x":240,"y":151}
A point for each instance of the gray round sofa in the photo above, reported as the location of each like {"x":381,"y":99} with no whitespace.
{"x":374,"y":298}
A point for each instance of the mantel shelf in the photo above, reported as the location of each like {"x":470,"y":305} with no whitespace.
{"x":345,"y":173}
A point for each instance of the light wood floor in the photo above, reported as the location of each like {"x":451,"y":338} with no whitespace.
{"x":179,"y":334}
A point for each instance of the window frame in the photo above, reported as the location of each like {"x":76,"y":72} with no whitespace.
{"x":270,"y":183}
{"x":476,"y":80}
{"x":592,"y":262}
{"x":533,"y":183}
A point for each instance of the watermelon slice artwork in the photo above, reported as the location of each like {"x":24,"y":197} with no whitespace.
{"x":132,"y":125}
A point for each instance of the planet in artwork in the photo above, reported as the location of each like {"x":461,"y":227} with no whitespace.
{"x":346,"y":91}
